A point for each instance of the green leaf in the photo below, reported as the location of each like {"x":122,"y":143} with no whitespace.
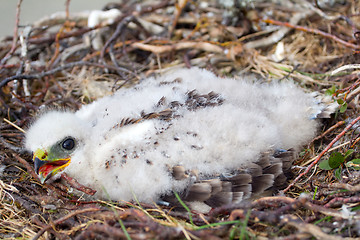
{"x":184,"y":206}
{"x":355,"y":163}
{"x":338,"y":173}
{"x":340,"y":101}
{"x":331,"y":91}
{"x":326,"y":219}
{"x":343,"y":108}
{"x":357,"y":208}
{"x":348,"y":153}
{"x":336,"y":159}
{"x":324,"y":165}
{"x":316,"y":188}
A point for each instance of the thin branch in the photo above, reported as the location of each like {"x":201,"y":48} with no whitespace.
{"x":338,"y":124}
{"x":51,"y":39}
{"x":15,"y":36}
{"x":314,"y":31}
{"x":179,"y":7}
{"x":338,"y":201}
{"x":67,"y":7}
{"x":60,"y":220}
{"x":119,"y":29}
{"x":157,"y":49}
{"x":55,"y":70}
{"x":27,"y":165}
{"x":75,"y":184}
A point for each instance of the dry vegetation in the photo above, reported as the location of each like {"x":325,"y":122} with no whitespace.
{"x":54,"y":63}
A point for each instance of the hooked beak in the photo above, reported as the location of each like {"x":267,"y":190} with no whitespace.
{"x":46,"y":168}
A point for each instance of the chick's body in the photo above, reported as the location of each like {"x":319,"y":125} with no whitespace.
{"x":128,"y":144}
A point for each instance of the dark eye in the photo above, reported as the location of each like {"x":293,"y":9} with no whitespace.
{"x":68,"y":144}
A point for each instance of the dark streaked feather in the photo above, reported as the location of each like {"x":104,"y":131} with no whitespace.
{"x":216,"y":185}
{"x":178,"y":173}
{"x":262,"y":183}
{"x":232,"y":187}
{"x":275,"y":169}
{"x":286,"y":157}
{"x":200,"y":191}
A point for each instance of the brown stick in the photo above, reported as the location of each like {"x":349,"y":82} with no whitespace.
{"x":15,"y":36}
{"x":55,"y":70}
{"x":75,"y":184}
{"x":311,"y":30}
{"x":60,"y":220}
{"x":67,"y":7}
{"x":179,"y":7}
{"x":159,"y":49}
{"x":26,"y":165}
{"x":338,"y":201}
{"x":51,"y":38}
{"x":338,"y":124}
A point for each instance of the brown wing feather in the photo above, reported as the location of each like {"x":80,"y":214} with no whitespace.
{"x":232,"y":187}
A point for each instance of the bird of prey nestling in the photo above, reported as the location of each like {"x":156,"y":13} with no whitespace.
{"x":213,"y":140}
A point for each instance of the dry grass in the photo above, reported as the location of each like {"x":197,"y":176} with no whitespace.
{"x":58,"y":68}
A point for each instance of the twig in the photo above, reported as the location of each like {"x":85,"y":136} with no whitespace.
{"x":55,"y":70}
{"x":338,"y":201}
{"x":299,"y":202}
{"x":63,"y":29}
{"x":205,"y":46}
{"x":322,"y":153}
{"x":75,"y":184}
{"x":37,"y":221}
{"x":279,"y":34}
{"x":333,"y":149}
{"x":10,"y":146}
{"x":179,"y":6}
{"x":312,"y":229}
{"x":113,"y":59}
{"x":15,"y":36}
{"x":15,"y":65}
{"x":119,"y":29}
{"x":277,"y":199}
{"x":67,"y":7}
{"x":353,"y":143}
{"x":24,"y":202}
{"x":311,"y":30}
{"x":152,"y":8}
{"x":326,"y":211}
{"x":346,"y":186}
{"x":26,"y":165}
{"x":52,"y":38}
{"x":14,"y":125}
{"x":112,"y":232}
{"x":338,"y":124}
{"x":126,"y":19}
{"x":60,"y":220}
{"x":345,"y":67}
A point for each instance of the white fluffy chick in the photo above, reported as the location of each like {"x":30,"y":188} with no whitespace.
{"x":213,"y":140}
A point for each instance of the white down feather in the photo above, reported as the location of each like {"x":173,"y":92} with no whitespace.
{"x":253,"y":118}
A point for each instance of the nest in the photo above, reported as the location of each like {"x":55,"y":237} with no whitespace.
{"x":70,"y":59}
